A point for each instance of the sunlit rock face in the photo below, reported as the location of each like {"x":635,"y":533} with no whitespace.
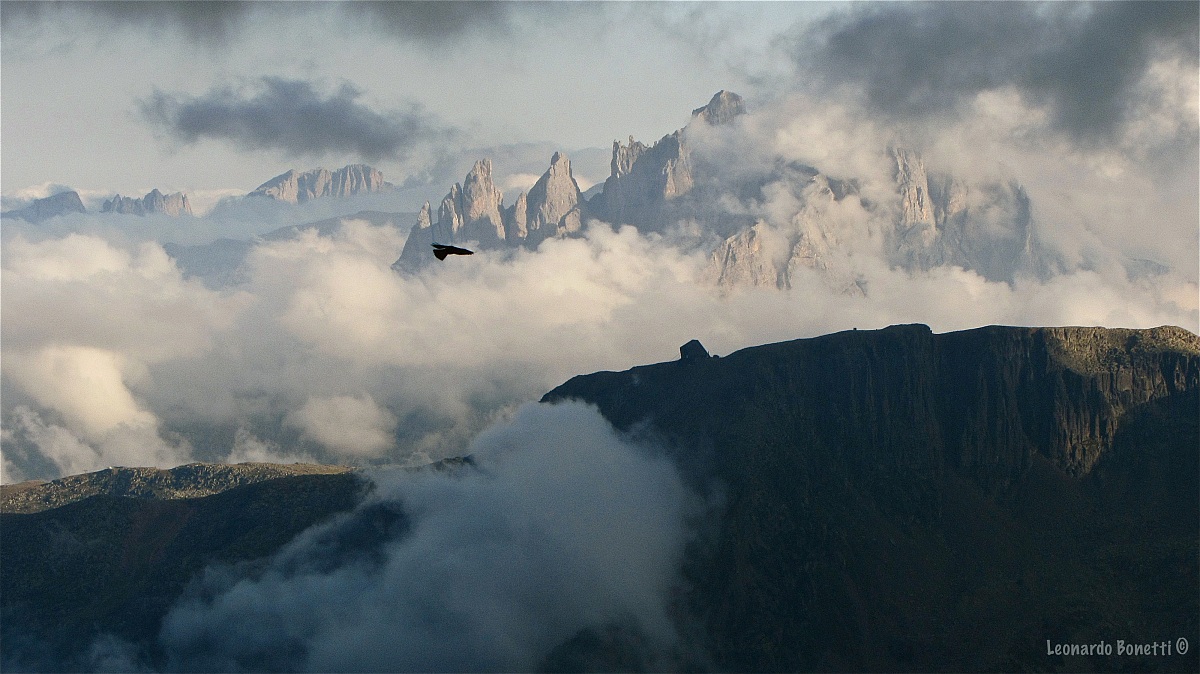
{"x":473,"y":213}
{"x":477,"y":207}
{"x":763,"y":227}
{"x":943,"y":220}
{"x":294,"y":187}
{"x":553,"y":204}
{"x":175,"y":204}
{"x":932,"y":220}
{"x":643,"y":180}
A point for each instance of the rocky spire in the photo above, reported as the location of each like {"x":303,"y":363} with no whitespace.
{"x":644,"y":178}
{"x":516,"y":220}
{"x":553,"y":207}
{"x":481,"y":202}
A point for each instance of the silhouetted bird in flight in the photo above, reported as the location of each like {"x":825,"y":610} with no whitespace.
{"x":440,"y":251}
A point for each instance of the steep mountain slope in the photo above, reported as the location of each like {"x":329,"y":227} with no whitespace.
{"x":113,"y":561}
{"x":194,"y":480}
{"x":898,"y":500}
{"x":49,"y":207}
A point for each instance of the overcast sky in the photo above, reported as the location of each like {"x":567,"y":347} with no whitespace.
{"x":201,"y":97}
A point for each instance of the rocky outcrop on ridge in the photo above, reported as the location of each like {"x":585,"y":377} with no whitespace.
{"x":294,"y":187}
{"x":174,"y":204}
{"x":983,"y":400}
{"x":49,"y":207}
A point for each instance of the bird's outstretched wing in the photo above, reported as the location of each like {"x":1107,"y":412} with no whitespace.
{"x":440,"y":251}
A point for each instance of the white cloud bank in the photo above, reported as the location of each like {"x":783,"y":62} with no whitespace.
{"x":559,"y":526}
{"x":327,"y":353}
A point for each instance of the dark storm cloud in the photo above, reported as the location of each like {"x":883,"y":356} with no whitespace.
{"x":433,"y":21}
{"x":293,"y":117}
{"x":204,"y":22}
{"x":1082,"y":61}
{"x":215,"y":23}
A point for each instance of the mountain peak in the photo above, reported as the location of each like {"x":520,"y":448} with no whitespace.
{"x":350,"y":180}
{"x":722,"y":109}
{"x":52,"y":206}
{"x":175,"y":204}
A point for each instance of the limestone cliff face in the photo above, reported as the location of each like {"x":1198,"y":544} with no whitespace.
{"x":552,"y":207}
{"x":175,"y":204}
{"x":987,"y":227}
{"x":646,"y":183}
{"x":746,"y":259}
{"x":473,"y":212}
{"x":899,"y":500}
{"x":478,"y":207}
{"x":294,"y":187}
{"x":935,"y":220}
{"x":643,"y":179}
{"x":984,"y":401}
{"x":768,"y":255}
{"x":52,"y":206}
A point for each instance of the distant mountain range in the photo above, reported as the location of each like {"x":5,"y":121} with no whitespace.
{"x":929,"y":219}
{"x":291,"y":187}
{"x":155,"y":202}
{"x":890,"y":500}
{"x":934,"y":219}
{"x":52,"y":206}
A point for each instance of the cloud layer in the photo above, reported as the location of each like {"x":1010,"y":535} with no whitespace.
{"x":292,"y":117}
{"x":324,"y":352}
{"x":559,"y":526}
